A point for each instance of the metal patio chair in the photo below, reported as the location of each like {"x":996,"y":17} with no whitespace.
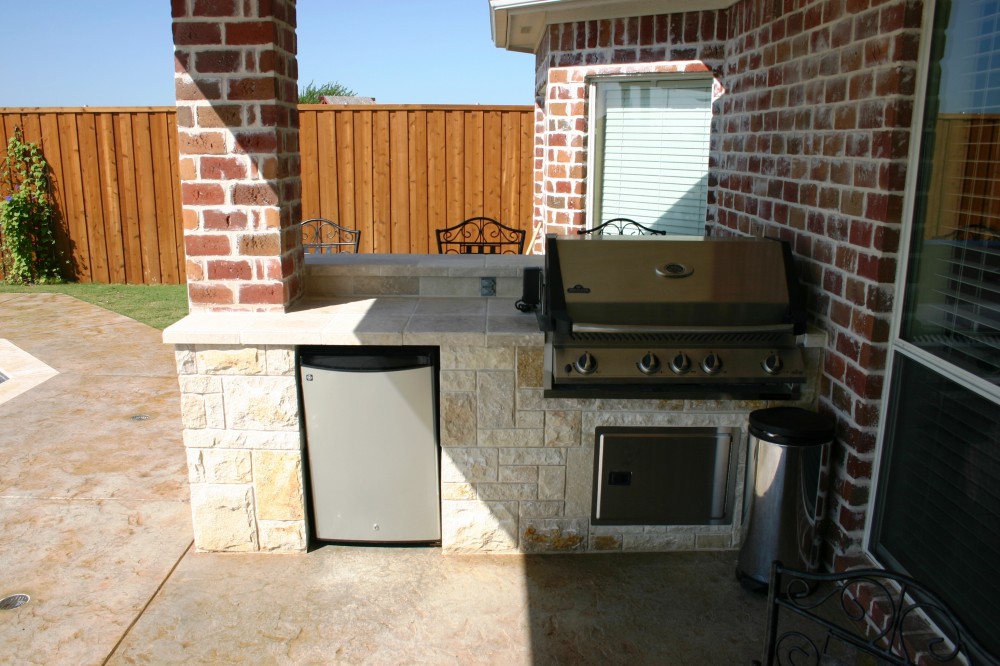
{"x":834,"y":619}
{"x":323,"y":236}
{"x":480,"y":235}
{"x":624,"y":227}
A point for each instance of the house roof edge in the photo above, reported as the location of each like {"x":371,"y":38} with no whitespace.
{"x":518,"y":25}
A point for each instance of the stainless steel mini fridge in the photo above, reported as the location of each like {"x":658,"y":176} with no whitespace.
{"x":371,"y":441}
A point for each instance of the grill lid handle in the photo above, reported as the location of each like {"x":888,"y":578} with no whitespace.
{"x":625,"y":329}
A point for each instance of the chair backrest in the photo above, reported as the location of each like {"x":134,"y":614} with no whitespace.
{"x":320,"y":235}
{"x":622,"y":226}
{"x":480,"y":235}
{"x":831,"y":618}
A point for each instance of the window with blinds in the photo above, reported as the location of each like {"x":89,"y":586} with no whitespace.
{"x":936,"y":512}
{"x":651,"y":139}
{"x":952,"y":301}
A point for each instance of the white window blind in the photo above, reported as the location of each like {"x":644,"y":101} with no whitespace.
{"x":652,"y":160}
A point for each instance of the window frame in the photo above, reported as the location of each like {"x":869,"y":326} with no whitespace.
{"x":897,"y":345}
{"x":594,"y":179}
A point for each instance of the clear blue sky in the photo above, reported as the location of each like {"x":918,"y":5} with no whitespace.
{"x":120,"y":52}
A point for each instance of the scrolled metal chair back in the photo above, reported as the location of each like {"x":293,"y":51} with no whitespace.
{"x":622,"y":226}
{"x":817,"y":619}
{"x":480,"y":235}
{"x":323,"y":236}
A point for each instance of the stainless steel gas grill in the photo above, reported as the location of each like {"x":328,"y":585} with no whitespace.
{"x":648,"y":317}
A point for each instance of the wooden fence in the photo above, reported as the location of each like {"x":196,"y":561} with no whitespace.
{"x":395,"y":172}
{"x":114,"y":175}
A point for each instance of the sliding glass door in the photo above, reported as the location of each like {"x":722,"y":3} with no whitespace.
{"x":937,"y":495}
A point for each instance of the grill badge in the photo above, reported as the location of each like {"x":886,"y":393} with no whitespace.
{"x":674,"y":269}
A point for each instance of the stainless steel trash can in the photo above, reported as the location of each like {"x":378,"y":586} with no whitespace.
{"x":781,"y":518}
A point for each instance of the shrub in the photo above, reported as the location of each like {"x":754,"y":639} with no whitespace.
{"x":27,"y":215}
{"x":313,"y":94}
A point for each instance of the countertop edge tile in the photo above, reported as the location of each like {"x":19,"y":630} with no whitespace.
{"x":515,"y":339}
{"x":443,"y":339}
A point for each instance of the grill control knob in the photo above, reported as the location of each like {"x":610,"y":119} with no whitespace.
{"x":711,"y":364}
{"x":772,"y":364}
{"x":586,"y":364}
{"x":680,"y":364}
{"x":649,"y":364}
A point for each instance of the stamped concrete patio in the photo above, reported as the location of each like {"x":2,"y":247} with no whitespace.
{"x":96,"y":529}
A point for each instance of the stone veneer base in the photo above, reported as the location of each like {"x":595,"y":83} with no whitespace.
{"x":516,"y":468}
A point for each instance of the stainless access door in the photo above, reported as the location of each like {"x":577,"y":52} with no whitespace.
{"x":664,"y":476}
{"x":372,"y":445}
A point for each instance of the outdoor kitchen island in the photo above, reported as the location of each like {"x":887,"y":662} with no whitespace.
{"x":517,"y":468}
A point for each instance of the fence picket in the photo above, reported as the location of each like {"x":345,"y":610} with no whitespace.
{"x":474,"y":173}
{"x":164,"y":185}
{"x":381,"y":192}
{"x":437,"y":176}
{"x":75,"y":212}
{"x":399,"y":183}
{"x":492,"y":165}
{"x":128,"y":201}
{"x":108,"y":163}
{"x":363,"y":179}
{"x":175,"y":198}
{"x":454,"y":140}
{"x":49,"y":127}
{"x":324,"y":158}
{"x":309,"y":148}
{"x":419,"y":168}
{"x":145,"y":191}
{"x":344,"y":156}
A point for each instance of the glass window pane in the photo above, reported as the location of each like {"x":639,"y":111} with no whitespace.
{"x":652,"y":143}
{"x":951,"y":306}
{"x":938,"y":510}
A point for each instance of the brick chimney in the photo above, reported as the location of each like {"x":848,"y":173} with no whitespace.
{"x":237,"y":123}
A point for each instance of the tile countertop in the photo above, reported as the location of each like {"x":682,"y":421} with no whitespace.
{"x":388,"y":320}
{"x":367,"y":321}
{"x":380,"y":319}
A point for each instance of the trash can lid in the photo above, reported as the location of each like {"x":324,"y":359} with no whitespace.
{"x":791,"y":425}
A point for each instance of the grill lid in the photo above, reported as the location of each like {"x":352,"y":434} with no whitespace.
{"x":652,"y":283}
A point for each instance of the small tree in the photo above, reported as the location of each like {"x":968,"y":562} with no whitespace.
{"x":312,"y":93}
{"x":27,"y":215}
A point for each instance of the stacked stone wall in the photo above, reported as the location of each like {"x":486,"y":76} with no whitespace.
{"x":241,"y":432}
{"x":517,"y":469}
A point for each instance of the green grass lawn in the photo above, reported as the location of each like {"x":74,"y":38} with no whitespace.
{"x":155,"y":305}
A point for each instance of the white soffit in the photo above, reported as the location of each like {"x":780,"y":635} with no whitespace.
{"x":518,"y":25}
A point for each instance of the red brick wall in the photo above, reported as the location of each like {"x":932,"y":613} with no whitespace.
{"x":833,"y":127}
{"x":810,"y":141}
{"x":236,"y":81}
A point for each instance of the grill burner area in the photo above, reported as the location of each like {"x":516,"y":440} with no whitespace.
{"x":632,"y":325}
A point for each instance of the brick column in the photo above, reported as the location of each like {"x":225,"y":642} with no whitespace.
{"x":237,"y":122}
